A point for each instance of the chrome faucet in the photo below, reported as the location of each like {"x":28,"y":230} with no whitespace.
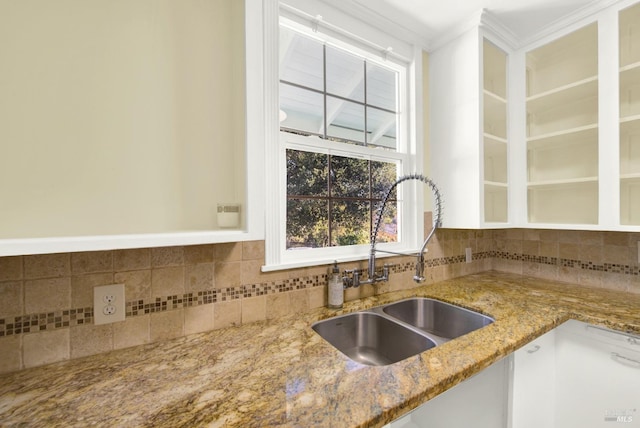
{"x":354,"y":280}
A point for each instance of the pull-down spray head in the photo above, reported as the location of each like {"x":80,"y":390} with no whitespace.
{"x":437,"y":222}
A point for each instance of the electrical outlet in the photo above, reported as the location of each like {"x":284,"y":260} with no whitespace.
{"x":467,"y":254}
{"x":108,"y":304}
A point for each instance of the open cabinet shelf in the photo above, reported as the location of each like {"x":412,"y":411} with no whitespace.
{"x":629,"y":26}
{"x":495,"y":160}
{"x":574,"y":107}
{"x":630,"y":91}
{"x":495,"y":115}
{"x":629,"y":39}
{"x":558,"y":183}
{"x":494,"y":141}
{"x":562,"y":129}
{"x":563,"y":62}
{"x":571,"y":202}
{"x":575,"y":90}
{"x":630,"y":200}
{"x":630,"y":147}
{"x":563,"y":136}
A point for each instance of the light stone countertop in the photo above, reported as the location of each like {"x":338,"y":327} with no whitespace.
{"x":281,"y":373}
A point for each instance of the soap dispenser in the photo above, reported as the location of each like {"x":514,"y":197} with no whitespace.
{"x":336,"y":289}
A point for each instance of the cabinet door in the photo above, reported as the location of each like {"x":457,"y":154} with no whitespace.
{"x":598,"y":377}
{"x":479,"y":402}
{"x":562,"y":129}
{"x":533,"y":391}
{"x":576,"y":376}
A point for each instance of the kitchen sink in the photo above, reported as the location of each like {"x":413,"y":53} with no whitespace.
{"x":390,"y":333}
{"x":372,"y":339}
{"x":438,"y":318}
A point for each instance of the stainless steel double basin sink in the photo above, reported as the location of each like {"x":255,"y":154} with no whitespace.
{"x":390,"y":333}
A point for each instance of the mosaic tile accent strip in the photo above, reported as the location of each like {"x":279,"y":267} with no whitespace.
{"x":572,"y":263}
{"x":45,"y":322}
{"x":161,"y":304}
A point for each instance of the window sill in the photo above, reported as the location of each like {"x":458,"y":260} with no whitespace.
{"x":320,"y":261}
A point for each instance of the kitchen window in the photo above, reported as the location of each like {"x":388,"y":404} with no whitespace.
{"x":343,"y":141}
{"x":328,"y":94}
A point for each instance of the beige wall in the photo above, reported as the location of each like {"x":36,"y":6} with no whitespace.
{"x":119,"y":117}
{"x":45,"y":300}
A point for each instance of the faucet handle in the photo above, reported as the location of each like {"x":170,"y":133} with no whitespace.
{"x":385,"y":272}
{"x":419,"y":276}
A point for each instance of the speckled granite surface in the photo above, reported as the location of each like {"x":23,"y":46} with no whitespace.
{"x":280,"y":373}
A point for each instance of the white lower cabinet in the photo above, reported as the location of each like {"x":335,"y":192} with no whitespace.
{"x":576,"y":376}
{"x":597,"y":378}
{"x":533,"y":395}
{"x":479,"y":402}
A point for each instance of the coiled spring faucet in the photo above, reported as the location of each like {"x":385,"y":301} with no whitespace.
{"x":355,"y":281}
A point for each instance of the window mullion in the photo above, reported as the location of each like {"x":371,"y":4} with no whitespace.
{"x":366,"y":136}
{"x":330,"y":201}
{"x":324,"y":91}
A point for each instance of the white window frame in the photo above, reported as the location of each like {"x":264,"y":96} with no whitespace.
{"x":409,"y":153}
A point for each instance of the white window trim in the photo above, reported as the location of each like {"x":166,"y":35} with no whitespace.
{"x":276,"y":256}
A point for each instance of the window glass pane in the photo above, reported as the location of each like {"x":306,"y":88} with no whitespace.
{"x":304,"y":109}
{"x":307,"y":173}
{"x":350,"y":222}
{"x":388,"y":231}
{"x":307,"y":223}
{"x":349,"y":177}
{"x":301,"y":59}
{"x":381,"y":87}
{"x":345,"y":74}
{"x":352,"y":198}
{"x":333,"y":200}
{"x":345,"y":120}
{"x":383,"y":175}
{"x":381,"y":128}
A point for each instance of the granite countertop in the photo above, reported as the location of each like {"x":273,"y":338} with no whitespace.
{"x":281,"y":373}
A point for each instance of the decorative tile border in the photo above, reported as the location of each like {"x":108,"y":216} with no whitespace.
{"x":44,"y":322}
{"x":571,"y":263}
{"x":68,"y":318}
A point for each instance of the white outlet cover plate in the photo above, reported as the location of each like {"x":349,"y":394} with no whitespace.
{"x":119,"y":302}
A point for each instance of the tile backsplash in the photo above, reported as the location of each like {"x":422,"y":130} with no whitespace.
{"x":46,"y":312}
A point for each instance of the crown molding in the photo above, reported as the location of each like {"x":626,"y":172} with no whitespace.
{"x":409,"y":31}
{"x":494,"y":26}
{"x":561,"y":24}
{"x":491,"y":24}
{"x":457,"y":30}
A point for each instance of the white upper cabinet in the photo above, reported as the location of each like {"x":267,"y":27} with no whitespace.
{"x":544,"y":134}
{"x":629,"y":34}
{"x":469,"y":129}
